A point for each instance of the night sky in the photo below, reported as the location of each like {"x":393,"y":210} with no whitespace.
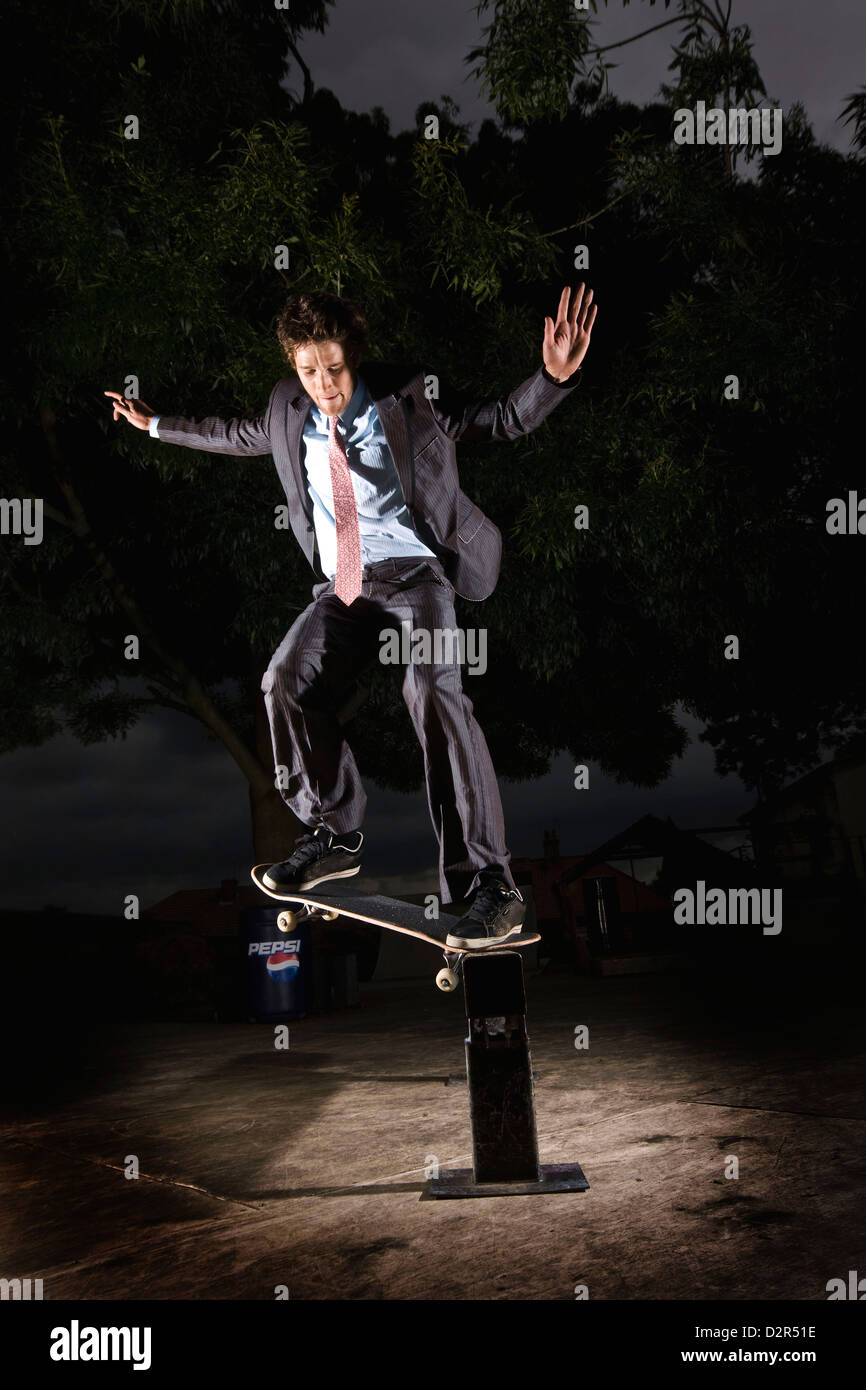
{"x":166,"y":808}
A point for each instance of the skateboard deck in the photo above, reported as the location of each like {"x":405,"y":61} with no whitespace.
{"x":337,"y":898}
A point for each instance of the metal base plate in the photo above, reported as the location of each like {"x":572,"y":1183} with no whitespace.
{"x":460,"y":1182}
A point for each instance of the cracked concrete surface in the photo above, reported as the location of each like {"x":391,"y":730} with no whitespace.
{"x":304,"y":1168}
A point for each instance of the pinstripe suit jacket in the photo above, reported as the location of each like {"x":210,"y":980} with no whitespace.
{"x":421,"y":435}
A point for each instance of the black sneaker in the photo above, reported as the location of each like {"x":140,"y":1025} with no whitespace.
{"x":497,"y":912}
{"x":317,"y":858}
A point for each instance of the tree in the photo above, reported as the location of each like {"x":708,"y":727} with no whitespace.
{"x":156,"y":257}
{"x":117,"y":267}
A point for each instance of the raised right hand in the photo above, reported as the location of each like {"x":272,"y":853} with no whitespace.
{"x":135,"y":411}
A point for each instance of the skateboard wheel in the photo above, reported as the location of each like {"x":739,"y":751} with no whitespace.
{"x":330,"y":916}
{"x":287,"y":921}
{"x":446,"y":980}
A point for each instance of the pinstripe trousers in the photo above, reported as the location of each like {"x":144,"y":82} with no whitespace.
{"x":307,"y":682}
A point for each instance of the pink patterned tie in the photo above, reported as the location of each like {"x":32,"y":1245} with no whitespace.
{"x":347,"y":585}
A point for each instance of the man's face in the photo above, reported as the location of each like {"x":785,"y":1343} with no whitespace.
{"x":326,"y":375}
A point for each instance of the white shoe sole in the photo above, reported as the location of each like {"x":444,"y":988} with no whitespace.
{"x":311,"y":883}
{"x":482,"y":943}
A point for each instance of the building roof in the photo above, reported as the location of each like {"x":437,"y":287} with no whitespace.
{"x":853,"y":755}
{"x":651,"y":837}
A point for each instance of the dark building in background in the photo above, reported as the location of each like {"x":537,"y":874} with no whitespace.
{"x":811,"y":837}
{"x":591,"y":912}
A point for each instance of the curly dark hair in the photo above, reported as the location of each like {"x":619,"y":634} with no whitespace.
{"x":321,"y":317}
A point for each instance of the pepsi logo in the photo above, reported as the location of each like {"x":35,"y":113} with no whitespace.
{"x":282,"y":965}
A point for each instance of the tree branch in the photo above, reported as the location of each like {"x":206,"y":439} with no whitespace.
{"x":198,"y":701}
{"x":308,"y":80}
{"x":740,"y":239}
{"x":158,"y":698}
{"x":678,"y":19}
{"x":57,"y":516}
{"x":584,"y":221}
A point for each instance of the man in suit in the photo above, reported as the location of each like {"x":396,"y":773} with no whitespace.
{"x":368,"y":464}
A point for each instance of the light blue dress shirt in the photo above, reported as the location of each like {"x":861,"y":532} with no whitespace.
{"x":384,"y":524}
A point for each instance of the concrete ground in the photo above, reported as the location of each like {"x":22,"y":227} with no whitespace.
{"x":304,"y":1167}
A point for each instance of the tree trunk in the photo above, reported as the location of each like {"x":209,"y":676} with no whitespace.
{"x":308,"y":79}
{"x":274,"y":827}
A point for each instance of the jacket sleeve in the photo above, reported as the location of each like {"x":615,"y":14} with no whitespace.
{"x":215,"y":436}
{"x":520,"y":412}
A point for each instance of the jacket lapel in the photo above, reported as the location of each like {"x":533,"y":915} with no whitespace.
{"x":393,"y":423}
{"x":385,"y":383}
{"x":301,"y":404}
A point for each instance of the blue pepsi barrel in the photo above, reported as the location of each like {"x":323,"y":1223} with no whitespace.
{"x":278,"y":966}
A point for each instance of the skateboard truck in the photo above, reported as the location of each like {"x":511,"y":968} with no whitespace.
{"x":449,"y":976}
{"x":288,"y":919}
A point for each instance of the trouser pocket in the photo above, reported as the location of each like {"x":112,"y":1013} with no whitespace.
{"x":414,"y":574}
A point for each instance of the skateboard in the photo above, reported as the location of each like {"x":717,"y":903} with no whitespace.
{"x":336,"y":898}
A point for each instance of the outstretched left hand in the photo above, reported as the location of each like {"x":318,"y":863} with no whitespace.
{"x":566,"y":342}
